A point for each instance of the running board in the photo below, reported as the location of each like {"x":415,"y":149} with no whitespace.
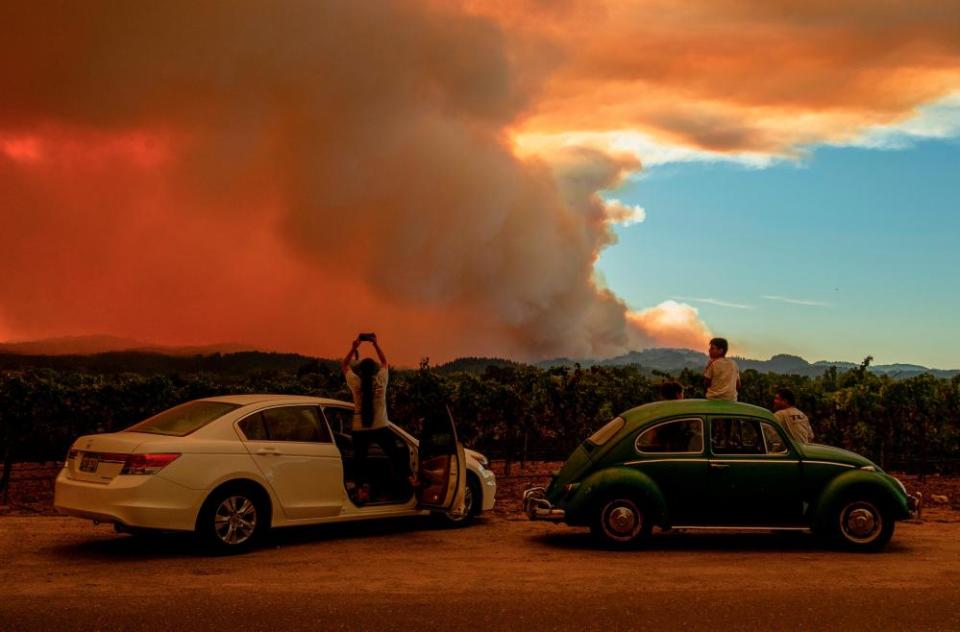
{"x":725,"y":528}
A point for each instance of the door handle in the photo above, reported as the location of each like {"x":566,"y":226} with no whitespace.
{"x":718,"y":466}
{"x":268,"y":451}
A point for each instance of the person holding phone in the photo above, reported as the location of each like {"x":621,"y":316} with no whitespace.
{"x":368,"y":385}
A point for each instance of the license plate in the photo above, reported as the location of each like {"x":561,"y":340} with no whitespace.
{"x":89,"y":463}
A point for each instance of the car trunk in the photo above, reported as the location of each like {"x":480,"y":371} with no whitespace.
{"x":100,"y":458}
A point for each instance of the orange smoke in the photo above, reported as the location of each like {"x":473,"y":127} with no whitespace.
{"x":733,"y":76}
{"x":287,"y":175}
{"x":671,"y":324}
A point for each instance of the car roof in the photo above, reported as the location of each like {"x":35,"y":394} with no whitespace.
{"x":640,"y":415}
{"x":267,"y":398}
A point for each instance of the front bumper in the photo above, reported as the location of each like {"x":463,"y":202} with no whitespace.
{"x":915,"y":504}
{"x":537,"y":507}
{"x":488,"y":485}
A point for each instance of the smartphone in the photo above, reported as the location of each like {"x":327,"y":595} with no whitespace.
{"x":367,"y":337}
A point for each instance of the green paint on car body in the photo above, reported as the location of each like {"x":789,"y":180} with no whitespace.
{"x":797,"y":486}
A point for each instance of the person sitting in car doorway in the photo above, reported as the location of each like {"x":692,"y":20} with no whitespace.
{"x":790,"y":417}
{"x":368,"y":385}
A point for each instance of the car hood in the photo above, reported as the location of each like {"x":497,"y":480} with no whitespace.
{"x":817,"y":452}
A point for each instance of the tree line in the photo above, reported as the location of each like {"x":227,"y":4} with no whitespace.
{"x":507,"y":410}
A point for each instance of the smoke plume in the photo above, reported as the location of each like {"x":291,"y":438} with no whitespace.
{"x":288,"y":174}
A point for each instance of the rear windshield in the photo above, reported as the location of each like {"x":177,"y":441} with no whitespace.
{"x":181,"y":420}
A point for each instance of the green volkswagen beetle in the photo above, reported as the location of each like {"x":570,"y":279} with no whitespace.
{"x":712,"y":464}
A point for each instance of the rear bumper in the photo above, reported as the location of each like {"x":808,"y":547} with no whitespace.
{"x":149,"y":502}
{"x":537,"y":507}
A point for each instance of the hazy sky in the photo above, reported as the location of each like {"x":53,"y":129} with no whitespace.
{"x":454,"y":174}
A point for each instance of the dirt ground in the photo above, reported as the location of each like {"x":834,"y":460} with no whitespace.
{"x":63,"y":573}
{"x":504,"y":572}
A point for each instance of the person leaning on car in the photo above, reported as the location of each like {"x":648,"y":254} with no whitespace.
{"x":790,"y":417}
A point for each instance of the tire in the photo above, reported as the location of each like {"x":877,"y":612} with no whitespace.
{"x":232,"y":519}
{"x":861,"y":523}
{"x":473,"y":502}
{"x":621,"y":521}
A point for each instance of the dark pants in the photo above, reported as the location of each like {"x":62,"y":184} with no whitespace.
{"x":397,"y":456}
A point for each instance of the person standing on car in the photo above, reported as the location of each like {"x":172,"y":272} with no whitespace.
{"x":790,"y":417}
{"x":368,"y":385}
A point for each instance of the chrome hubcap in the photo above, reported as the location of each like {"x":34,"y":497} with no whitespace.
{"x":235,"y":520}
{"x":622,"y":520}
{"x":860,"y":522}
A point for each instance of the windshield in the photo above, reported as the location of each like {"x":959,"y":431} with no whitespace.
{"x":181,"y":420}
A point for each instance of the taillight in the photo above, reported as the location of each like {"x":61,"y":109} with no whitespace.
{"x":148,"y":463}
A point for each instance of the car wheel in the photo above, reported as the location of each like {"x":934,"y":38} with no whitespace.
{"x":472,"y":505}
{"x":232,"y":519}
{"x":620,"y":521}
{"x":861,"y":524}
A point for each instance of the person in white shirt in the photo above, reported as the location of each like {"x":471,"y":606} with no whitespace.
{"x":368,"y":385}
{"x":790,"y":417}
{"x":722,"y":375}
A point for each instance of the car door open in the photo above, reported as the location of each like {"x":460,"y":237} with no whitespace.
{"x":441,"y":466}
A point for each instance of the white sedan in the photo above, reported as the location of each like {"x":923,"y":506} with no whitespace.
{"x":231,"y":467}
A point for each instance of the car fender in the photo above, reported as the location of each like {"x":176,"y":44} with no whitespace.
{"x":857,"y":482}
{"x":599,"y":484}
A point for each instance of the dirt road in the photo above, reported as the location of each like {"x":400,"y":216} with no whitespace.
{"x":62,"y":573}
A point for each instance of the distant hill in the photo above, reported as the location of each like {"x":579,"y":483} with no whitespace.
{"x":89,"y":345}
{"x":674,"y":360}
{"x":111,"y":354}
{"x":229,"y":365}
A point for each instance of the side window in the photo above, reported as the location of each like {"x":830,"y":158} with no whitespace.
{"x":732,"y":435}
{"x":683,"y":436}
{"x":775,"y":443}
{"x":340,"y":419}
{"x":253,"y":428}
{"x":295,"y":423}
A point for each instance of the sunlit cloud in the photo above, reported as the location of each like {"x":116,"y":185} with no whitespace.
{"x":670,"y":324}
{"x":796,"y":301}
{"x":934,"y":121}
{"x":624,"y":214}
{"x":713,"y":301}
